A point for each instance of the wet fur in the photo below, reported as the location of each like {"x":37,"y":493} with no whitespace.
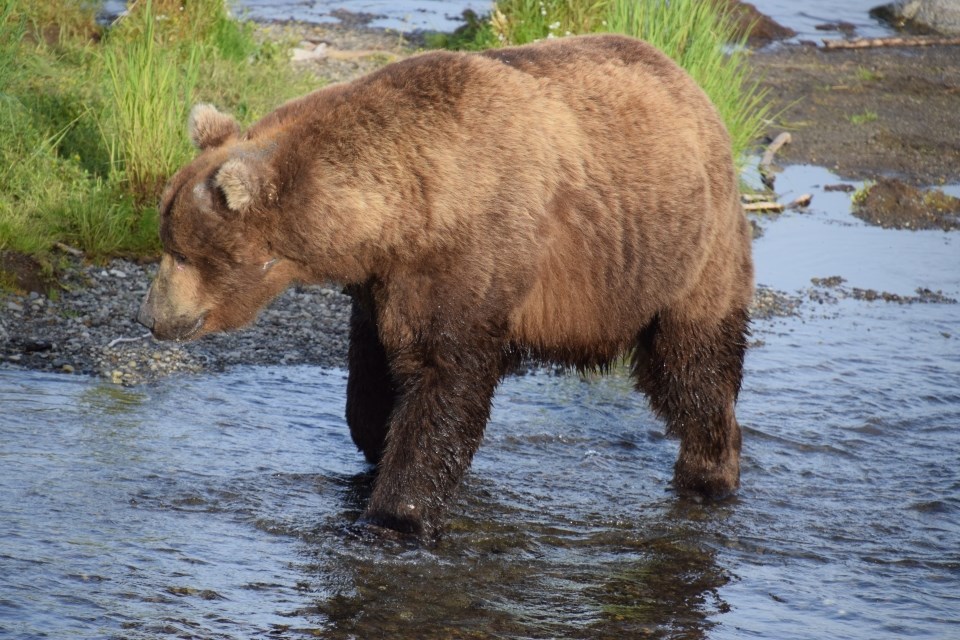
{"x":572,"y":201}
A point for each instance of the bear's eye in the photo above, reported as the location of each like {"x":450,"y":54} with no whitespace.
{"x":179,"y":258}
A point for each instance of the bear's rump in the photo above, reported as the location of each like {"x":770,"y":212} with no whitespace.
{"x":600,"y":278}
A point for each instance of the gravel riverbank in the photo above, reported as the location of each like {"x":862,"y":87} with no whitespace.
{"x":87,"y":327}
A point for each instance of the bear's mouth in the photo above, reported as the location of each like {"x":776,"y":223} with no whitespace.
{"x":193,"y":331}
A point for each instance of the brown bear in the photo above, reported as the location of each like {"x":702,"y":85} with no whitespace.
{"x":569,"y":201}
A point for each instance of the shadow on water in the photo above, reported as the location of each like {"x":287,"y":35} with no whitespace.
{"x":221,"y":506}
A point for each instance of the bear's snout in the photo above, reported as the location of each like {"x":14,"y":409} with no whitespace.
{"x":167,"y":325}
{"x":145,"y":314}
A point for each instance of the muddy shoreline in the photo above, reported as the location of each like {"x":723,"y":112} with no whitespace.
{"x":86,"y":325}
{"x":868,"y":113}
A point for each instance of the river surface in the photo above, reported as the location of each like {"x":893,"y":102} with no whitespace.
{"x":444,"y":15}
{"x":221,"y":505}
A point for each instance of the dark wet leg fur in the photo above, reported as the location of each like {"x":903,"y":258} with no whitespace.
{"x":370,"y":389}
{"x":692,"y":375}
{"x":436,"y":427}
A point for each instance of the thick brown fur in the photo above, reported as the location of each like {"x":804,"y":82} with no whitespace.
{"x":572,"y":200}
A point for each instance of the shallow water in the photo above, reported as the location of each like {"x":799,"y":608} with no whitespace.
{"x":444,"y":15}
{"x":219,"y":506}
{"x":804,"y":16}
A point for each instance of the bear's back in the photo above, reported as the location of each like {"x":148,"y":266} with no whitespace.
{"x":551,"y":170}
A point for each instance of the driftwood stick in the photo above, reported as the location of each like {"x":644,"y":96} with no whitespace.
{"x":68,"y":249}
{"x":753,"y":197}
{"x":916,"y":41}
{"x":117,"y":341}
{"x":766,"y":175}
{"x":802,"y":202}
{"x":770,"y":207}
{"x":779,"y":141}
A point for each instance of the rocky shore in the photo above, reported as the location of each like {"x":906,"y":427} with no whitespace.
{"x":87,"y":327}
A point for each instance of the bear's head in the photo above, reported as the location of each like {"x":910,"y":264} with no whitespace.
{"x":216,"y":218}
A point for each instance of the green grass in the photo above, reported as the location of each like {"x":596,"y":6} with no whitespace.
{"x":860,"y":195}
{"x":863,"y":118}
{"x":32,"y":177}
{"x":93,"y":119}
{"x":523,"y":21}
{"x":868,"y":75}
{"x":148,"y":96}
{"x":702,"y":39}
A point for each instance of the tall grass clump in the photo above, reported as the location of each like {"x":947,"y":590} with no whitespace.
{"x":60,"y":21}
{"x":33,"y":177}
{"x":523,"y":21}
{"x":205,"y":26}
{"x":700,"y":36}
{"x":164,"y":56}
{"x":149,"y":92}
{"x":93,"y":118}
{"x":512,"y":22}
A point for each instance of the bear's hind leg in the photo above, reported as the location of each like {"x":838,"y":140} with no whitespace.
{"x":692,"y":371}
{"x":370,"y":388}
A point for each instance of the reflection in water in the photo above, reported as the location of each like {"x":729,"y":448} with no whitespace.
{"x":671,"y":588}
{"x":494,"y":579}
{"x":667,"y":580}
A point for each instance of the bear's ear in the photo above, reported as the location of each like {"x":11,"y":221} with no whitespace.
{"x":209,"y":127}
{"x":245,"y":183}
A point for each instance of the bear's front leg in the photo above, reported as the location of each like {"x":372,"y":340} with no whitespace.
{"x":445,"y":393}
{"x":370,"y":388}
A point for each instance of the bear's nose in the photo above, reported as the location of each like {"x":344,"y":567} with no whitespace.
{"x":145,"y":314}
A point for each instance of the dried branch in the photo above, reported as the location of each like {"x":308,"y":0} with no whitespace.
{"x":766,"y":174}
{"x":915,"y":41}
